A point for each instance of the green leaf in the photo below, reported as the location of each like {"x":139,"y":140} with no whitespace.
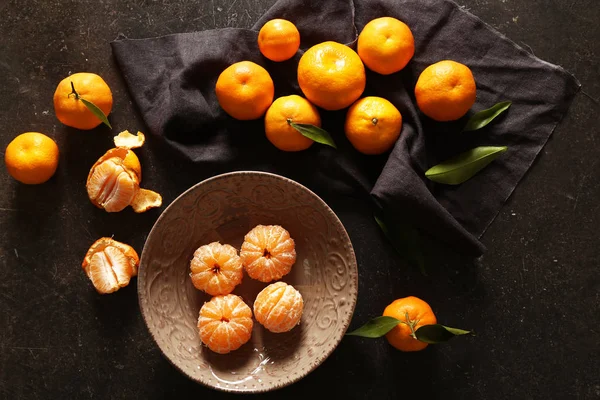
{"x":407,"y":245}
{"x":462,"y":167}
{"x":376,"y":327}
{"x":482,"y":118}
{"x":315,"y":133}
{"x":437,"y":333}
{"x":96,"y":111}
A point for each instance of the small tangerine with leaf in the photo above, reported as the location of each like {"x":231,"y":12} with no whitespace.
{"x":83,"y":101}
{"x":408,"y":324}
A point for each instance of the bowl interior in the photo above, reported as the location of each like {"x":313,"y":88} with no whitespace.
{"x":224,"y":209}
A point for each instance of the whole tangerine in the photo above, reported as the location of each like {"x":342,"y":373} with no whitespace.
{"x":445,"y":91}
{"x":331,"y":75}
{"x":216,"y":268}
{"x":413,"y":313}
{"x":278,"y":39}
{"x":386,"y":45}
{"x":69,"y":108}
{"x":31,"y":158}
{"x":245,"y":90}
{"x":284,"y":111}
{"x":268,"y":252}
{"x":373,"y":125}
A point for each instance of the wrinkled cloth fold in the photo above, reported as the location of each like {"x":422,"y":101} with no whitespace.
{"x":172,"y":80}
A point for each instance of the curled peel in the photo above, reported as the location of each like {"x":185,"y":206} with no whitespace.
{"x":127,"y":140}
{"x":110,"y":265}
{"x":145,"y":200}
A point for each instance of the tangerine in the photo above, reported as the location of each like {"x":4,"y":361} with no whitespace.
{"x":31,"y":158}
{"x":413,"y":313}
{"x":216,"y":269}
{"x":278,"y":40}
{"x":225,"y":323}
{"x":268,"y":252}
{"x":114,"y":180}
{"x":281,"y":114}
{"x":278,"y":307}
{"x":331,"y":75}
{"x":69,"y":108}
{"x":445,"y":91}
{"x":373,"y":125}
{"x":110,"y":265}
{"x":245,"y":90}
{"x":386,"y":45}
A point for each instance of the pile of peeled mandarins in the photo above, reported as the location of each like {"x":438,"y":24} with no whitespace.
{"x":267,"y":254}
{"x":332,"y":76}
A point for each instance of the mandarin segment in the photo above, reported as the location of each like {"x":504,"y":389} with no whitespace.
{"x":278,"y":307}
{"x":268,"y":252}
{"x":110,"y":265}
{"x":225,"y":323}
{"x":216,"y":269}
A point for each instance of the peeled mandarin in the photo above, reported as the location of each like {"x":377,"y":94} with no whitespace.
{"x":278,"y":307}
{"x":216,"y":269}
{"x":110,"y":265}
{"x":225,"y":323}
{"x":268,"y":252}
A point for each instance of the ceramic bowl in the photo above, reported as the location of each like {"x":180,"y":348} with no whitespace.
{"x":224,"y":208}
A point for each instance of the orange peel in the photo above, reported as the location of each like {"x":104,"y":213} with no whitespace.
{"x":110,"y":265}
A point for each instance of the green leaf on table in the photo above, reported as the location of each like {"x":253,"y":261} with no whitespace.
{"x":376,"y":327}
{"x":96,"y":111}
{"x":437,"y":333}
{"x":406,"y":244}
{"x":482,"y":118}
{"x":461,"y":168}
{"x":315,"y":133}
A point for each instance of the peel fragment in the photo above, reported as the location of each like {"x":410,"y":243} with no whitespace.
{"x":129,"y":141}
{"x":110,"y":265}
{"x":144,"y":200}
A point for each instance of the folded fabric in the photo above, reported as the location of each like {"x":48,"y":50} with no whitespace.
{"x":172,"y":81}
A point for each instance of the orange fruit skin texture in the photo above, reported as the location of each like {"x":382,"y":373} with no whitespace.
{"x":386,"y":45}
{"x":373,"y":125}
{"x":445,"y":91}
{"x":110,"y":265}
{"x":278,"y":40}
{"x":331,"y":75}
{"x":71,"y":111}
{"x":278,"y":307}
{"x":216,"y":269}
{"x":245,"y":90}
{"x":417,"y":309}
{"x":293,"y":109}
{"x":31,"y":158}
{"x":225,"y":323}
{"x":268,"y":253}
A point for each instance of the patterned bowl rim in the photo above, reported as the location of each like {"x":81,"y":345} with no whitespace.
{"x":353,"y":264}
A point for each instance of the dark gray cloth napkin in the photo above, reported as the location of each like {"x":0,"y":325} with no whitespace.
{"x":172,"y":80}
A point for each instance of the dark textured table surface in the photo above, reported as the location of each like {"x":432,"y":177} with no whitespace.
{"x":533,"y":299}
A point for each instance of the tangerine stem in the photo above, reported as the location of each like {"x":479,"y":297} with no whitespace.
{"x":73,"y":92}
{"x":411,"y":325}
{"x":289,"y":121}
{"x":374,"y":121}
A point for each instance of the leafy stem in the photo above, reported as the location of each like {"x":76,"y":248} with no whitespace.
{"x":94,"y":109}
{"x":411,"y":324}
